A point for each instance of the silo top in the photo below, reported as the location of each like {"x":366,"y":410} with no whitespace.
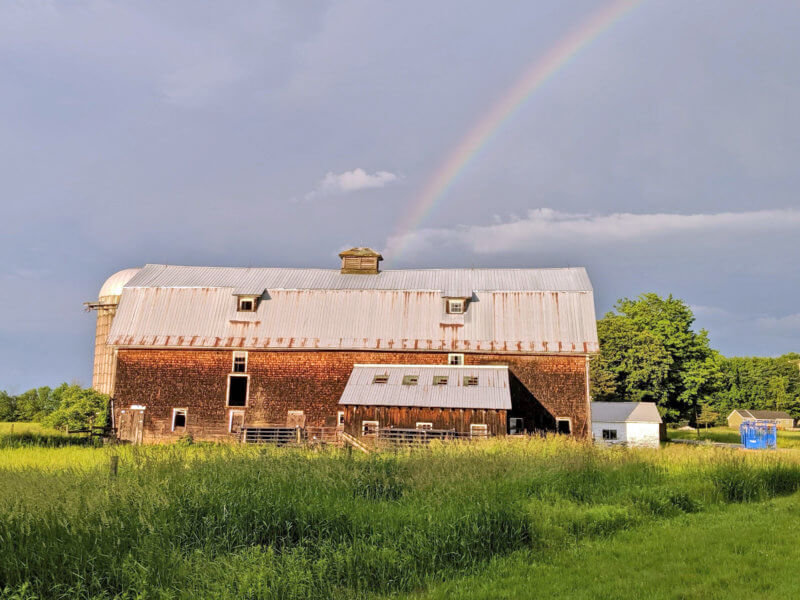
{"x":114,"y":284}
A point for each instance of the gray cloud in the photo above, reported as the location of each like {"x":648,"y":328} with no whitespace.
{"x":545,"y":227}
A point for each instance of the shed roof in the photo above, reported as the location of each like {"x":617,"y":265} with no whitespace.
{"x":625,"y":412}
{"x":763,"y":414}
{"x":511,"y":310}
{"x":491,"y":392}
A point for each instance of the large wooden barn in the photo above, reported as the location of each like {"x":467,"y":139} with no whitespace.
{"x":207,"y":351}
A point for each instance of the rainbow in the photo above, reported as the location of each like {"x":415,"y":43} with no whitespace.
{"x":479,"y":136}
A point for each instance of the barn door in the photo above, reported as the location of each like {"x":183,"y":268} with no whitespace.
{"x":137,"y":426}
{"x":124,"y":425}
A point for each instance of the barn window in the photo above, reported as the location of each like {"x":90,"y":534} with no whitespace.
{"x":340,"y":418}
{"x":455,"y":306}
{"x":247,"y":303}
{"x":470,"y":381}
{"x":369,"y":428}
{"x":237,"y":390}
{"x":239,"y":362}
{"x":609,"y":434}
{"x":410,"y":379}
{"x":564,"y":425}
{"x":478,"y":430}
{"x":424,"y":425}
{"x":516,"y":425}
{"x":178,"y":418}
{"x":455,"y":359}
{"x":440,"y":380}
{"x":380,"y":379}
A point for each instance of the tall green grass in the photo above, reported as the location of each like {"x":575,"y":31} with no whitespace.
{"x":246,"y":522}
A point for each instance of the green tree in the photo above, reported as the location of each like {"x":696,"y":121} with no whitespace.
{"x":36,"y":404}
{"x":78,"y":408}
{"x":8,"y":407}
{"x":649,"y":352}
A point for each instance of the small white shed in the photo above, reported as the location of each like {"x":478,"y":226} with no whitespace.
{"x":629,"y":423}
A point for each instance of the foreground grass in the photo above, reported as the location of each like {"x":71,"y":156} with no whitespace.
{"x":786,"y":439}
{"x":249,"y":522}
{"x":739,"y":552}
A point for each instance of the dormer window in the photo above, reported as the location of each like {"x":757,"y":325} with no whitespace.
{"x":247,"y":304}
{"x":456,"y":306}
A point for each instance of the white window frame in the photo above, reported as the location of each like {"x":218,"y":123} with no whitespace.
{"x":185,"y":412}
{"x":568,"y":420}
{"x":340,"y":418}
{"x":365,"y":423}
{"x":231,"y":412}
{"x":239,"y":354}
{"x":520,"y":427}
{"x":610,"y":432}
{"x":424,"y":425}
{"x":253,"y":303}
{"x":474,"y":428}
{"x":246,"y":392}
{"x":459,"y":302}
{"x":457,"y":357}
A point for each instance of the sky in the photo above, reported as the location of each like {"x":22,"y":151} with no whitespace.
{"x":663,"y":156}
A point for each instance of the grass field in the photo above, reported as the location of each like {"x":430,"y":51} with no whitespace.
{"x":739,"y":552}
{"x":208,"y":521}
{"x":786,"y":439}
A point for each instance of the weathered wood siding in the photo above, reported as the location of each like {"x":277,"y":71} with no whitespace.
{"x":407,"y":418}
{"x":543,"y":387}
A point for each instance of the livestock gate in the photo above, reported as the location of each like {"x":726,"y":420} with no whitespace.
{"x":759,"y":434}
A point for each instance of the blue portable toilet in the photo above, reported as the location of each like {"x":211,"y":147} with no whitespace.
{"x":759,"y":434}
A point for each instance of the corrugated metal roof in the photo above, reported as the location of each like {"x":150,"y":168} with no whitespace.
{"x":625,"y":412}
{"x":357,"y":319}
{"x":491,"y":392}
{"x":511,"y":310}
{"x":450,"y":282}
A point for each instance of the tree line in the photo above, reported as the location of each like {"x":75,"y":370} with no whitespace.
{"x":67,"y":406}
{"x":649,"y":351}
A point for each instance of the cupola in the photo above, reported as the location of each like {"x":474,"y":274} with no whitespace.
{"x":360,"y":261}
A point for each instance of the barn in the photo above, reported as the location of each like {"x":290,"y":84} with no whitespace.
{"x":628,"y":423}
{"x":207,"y":351}
{"x":783,"y":419}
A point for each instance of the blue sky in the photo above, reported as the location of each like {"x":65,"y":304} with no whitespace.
{"x":663,"y":157}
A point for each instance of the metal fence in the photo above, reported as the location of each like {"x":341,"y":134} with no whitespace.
{"x":422,"y":437}
{"x":282,"y":436}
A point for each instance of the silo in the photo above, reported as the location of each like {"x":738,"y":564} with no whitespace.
{"x":105,"y":360}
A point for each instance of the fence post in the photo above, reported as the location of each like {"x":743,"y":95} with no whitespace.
{"x":297,"y":430}
{"x":113,"y":463}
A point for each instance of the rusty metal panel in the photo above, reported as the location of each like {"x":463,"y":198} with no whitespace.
{"x":491,"y":392}
{"x":316,"y":308}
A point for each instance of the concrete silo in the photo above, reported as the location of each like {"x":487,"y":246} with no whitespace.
{"x":105,"y":360}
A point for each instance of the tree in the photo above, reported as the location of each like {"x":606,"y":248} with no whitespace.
{"x":78,"y":408}
{"x":35,"y":404}
{"x":8,"y":407}
{"x":649,"y":352}
{"x":708,"y":416}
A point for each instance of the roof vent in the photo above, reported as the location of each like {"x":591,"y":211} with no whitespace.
{"x":360,"y":261}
